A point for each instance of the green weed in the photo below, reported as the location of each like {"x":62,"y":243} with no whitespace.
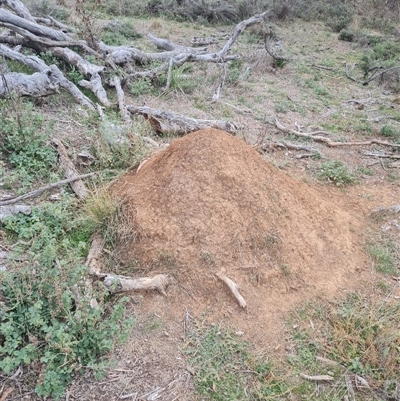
{"x":24,"y":136}
{"x":336,"y":172}
{"x":48,"y":315}
{"x":227,"y":370}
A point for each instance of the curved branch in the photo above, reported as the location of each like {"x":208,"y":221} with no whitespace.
{"x":327,"y":141}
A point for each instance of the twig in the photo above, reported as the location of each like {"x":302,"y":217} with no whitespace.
{"x":384,"y":155}
{"x":232,"y":286}
{"x":316,"y":136}
{"x":317,"y":378}
{"x":169,"y":74}
{"x":39,"y":191}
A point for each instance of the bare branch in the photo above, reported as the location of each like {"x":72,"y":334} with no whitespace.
{"x":39,"y":191}
{"x":316,"y":136}
{"x":165,"y":122}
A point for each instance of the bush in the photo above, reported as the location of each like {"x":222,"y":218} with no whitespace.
{"x":336,"y":172}
{"x":346,"y":35}
{"x":24,"y":135}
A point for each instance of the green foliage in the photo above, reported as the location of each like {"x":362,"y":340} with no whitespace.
{"x":74,"y":75}
{"x":180,"y":80}
{"x":381,"y":54}
{"x":127,"y":8}
{"x":23,"y":136}
{"x":234,"y":71}
{"x":390,"y":132}
{"x":117,"y":147}
{"x":141,"y":86}
{"x":336,"y":172}
{"x":118,"y":33}
{"x":347,"y":35}
{"x":47,"y":315}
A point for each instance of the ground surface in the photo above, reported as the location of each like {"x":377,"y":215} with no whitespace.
{"x":212,"y":201}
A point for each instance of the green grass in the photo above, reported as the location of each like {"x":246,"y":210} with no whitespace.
{"x":227,"y":369}
{"x":384,"y":257}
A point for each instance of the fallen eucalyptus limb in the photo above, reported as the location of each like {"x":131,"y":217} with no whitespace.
{"x":39,"y":65}
{"x":167,"y":122}
{"x":117,"y":284}
{"x":39,"y":191}
{"x":39,"y":84}
{"x":317,"y":137}
{"x":6,"y":211}
{"x":383,"y":155}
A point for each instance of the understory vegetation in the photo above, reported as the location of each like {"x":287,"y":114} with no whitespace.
{"x":57,"y":324}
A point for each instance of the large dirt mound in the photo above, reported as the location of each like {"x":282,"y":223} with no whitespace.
{"x":210,"y":201}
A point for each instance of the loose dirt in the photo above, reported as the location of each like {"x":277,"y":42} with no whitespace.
{"x":210,"y":201}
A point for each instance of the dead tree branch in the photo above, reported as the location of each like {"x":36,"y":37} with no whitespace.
{"x":39,"y":65}
{"x":116,"y":82}
{"x":234,"y":288}
{"x":116,"y":284}
{"x":316,"y":136}
{"x":39,"y":84}
{"x":383,"y":155}
{"x":15,"y":21}
{"x":78,"y":185}
{"x":49,"y":187}
{"x":374,"y":75}
{"x":19,"y":8}
{"x":166,"y":122}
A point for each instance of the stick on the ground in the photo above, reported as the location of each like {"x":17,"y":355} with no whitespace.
{"x":39,"y":191}
{"x":380,"y":154}
{"x":317,"y":137}
{"x":318,"y":378}
{"x":122,"y":284}
{"x":78,"y":186}
{"x":232,"y":286}
{"x":94,"y":259}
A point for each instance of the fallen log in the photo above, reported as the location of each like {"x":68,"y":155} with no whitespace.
{"x":116,"y":283}
{"x":39,"y":84}
{"x":19,"y":8}
{"x":167,"y":122}
{"x":15,"y":21}
{"x":95,"y":85}
{"x":39,"y":65}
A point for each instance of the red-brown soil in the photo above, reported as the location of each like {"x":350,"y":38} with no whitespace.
{"x":209,"y":201}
